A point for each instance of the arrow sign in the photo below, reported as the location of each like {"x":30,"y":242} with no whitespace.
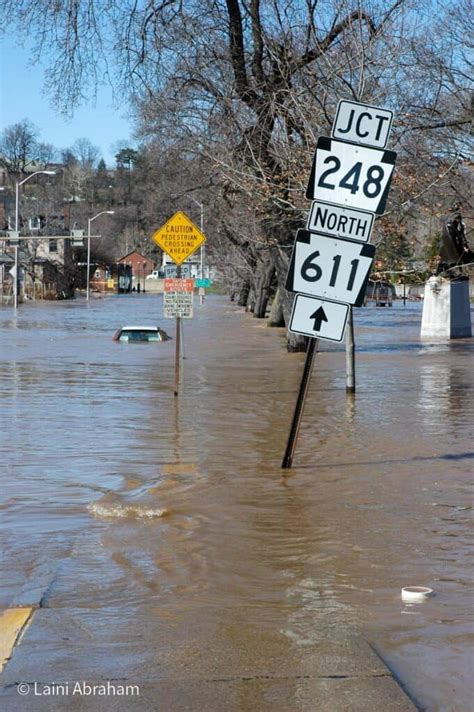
{"x":319,"y":316}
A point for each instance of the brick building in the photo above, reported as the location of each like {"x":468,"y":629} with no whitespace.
{"x":141,"y":265}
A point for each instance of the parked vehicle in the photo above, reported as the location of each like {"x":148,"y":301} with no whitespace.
{"x":382,"y":293}
{"x":140,"y":334}
{"x":156,"y":274}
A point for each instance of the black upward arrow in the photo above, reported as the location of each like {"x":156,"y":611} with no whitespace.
{"x":319,"y":316}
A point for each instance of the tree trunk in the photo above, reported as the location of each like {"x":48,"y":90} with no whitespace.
{"x":262,"y":290}
{"x":276,"y":317}
{"x":296,"y":342}
{"x":249,"y":307}
{"x":244,"y":293}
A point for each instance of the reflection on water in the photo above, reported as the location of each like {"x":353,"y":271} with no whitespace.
{"x":172,"y":515}
{"x":445,"y":387}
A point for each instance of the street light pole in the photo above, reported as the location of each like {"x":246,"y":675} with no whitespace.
{"x":103,"y":212}
{"x":17,"y":211}
{"x":201,"y":270}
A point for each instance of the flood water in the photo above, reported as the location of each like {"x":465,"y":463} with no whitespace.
{"x":147,"y":522}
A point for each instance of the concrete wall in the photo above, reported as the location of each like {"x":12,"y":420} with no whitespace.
{"x":446,"y":310}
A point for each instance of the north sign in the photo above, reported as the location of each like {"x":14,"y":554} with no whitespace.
{"x":342,"y":222}
{"x":362,"y":123}
{"x":351,"y":176}
{"x":179,"y":237}
{"x":318,"y":318}
{"x":330,"y":268}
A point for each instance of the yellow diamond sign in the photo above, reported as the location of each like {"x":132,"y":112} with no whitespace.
{"x":179,"y":237}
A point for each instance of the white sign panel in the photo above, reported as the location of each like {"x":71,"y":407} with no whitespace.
{"x":340,"y":222}
{"x":172,"y":270}
{"x":178,"y":304}
{"x":351,"y":176}
{"x":330,"y":268}
{"x":362,"y":123}
{"x":318,"y":318}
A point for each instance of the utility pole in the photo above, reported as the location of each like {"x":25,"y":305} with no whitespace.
{"x":201,"y":270}
{"x":103,"y":212}
{"x":17,"y":230}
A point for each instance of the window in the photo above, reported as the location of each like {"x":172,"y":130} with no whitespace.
{"x":97,"y":274}
{"x":53,"y":245}
{"x":34,"y":223}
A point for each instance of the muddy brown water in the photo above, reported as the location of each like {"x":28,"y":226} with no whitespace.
{"x":121,"y":502}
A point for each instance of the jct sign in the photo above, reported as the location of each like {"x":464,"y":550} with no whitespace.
{"x":361,"y":123}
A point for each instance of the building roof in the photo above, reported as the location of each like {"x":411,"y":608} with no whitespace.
{"x":5,"y":258}
{"x":139,"y":254}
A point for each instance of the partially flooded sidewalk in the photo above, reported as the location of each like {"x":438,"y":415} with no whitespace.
{"x":160,"y":545}
{"x":254,"y":672}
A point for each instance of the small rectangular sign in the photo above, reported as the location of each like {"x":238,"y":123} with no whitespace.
{"x":337,"y":221}
{"x":179,"y":285}
{"x":318,"y":318}
{"x":203,"y":283}
{"x":350,"y":176}
{"x":172,"y":270}
{"x":330,"y":268}
{"x":178,"y":304}
{"x":362,"y":123}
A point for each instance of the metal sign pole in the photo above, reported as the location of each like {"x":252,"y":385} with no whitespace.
{"x":350,"y":354}
{"x":16,"y":280}
{"x":177,"y":356}
{"x":177,"y":363}
{"x":298,"y":414}
{"x":183,"y":355}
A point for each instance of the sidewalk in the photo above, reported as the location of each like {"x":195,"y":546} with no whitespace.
{"x":339,"y":673}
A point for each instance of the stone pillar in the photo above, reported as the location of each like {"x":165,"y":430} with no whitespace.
{"x":446,"y":309}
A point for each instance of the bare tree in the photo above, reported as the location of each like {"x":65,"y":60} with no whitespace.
{"x":19,"y":147}
{"x":246,"y":88}
{"x":86,"y":153}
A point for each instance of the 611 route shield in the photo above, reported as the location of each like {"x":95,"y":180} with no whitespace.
{"x":330,"y":268}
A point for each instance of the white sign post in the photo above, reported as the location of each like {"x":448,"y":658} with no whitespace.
{"x":178,"y":298}
{"x":178,"y":304}
{"x":329,"y":267}
{"x":334,"y":220}
{"x":351,"y":176}
{"x":318,"y":318}
{"x":362,"y":123}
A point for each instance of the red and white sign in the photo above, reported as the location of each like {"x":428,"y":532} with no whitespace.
{"x":179,"y":285}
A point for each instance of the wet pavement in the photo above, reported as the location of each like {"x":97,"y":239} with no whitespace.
{"x":160,"y":539}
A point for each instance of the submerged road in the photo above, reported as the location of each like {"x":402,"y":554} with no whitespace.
{"x":154,"y":541}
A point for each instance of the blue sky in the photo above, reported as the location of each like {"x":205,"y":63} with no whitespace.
{"x":22,"y":96}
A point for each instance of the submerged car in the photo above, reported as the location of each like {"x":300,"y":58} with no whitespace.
{"x":140,"y":334}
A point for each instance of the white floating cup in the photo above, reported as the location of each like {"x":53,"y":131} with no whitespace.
{"x":416,"y":594}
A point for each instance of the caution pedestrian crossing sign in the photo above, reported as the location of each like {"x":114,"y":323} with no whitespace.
{"x":179,"y":237}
